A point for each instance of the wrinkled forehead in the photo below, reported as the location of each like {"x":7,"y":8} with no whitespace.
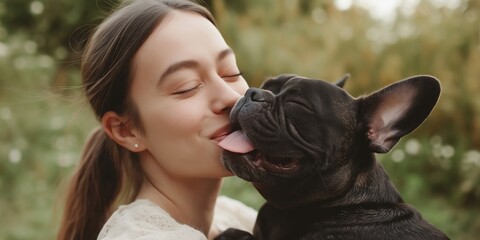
{"x":288,"y":83}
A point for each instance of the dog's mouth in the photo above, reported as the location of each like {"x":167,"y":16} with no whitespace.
{"x":238,"y":143}
{"x":275,"y":164}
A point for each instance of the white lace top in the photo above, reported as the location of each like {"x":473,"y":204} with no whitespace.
{"x":145,"y":220}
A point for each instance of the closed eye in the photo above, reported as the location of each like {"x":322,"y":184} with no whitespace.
{"x":300,"y":104}
{"x":232,"y":77}
{"x":187,"y":91}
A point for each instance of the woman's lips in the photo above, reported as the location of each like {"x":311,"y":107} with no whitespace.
{"x":220,"y":134}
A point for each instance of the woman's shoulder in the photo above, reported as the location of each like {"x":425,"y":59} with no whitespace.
{"x":231,"y":213}
{"x":143,"y":219}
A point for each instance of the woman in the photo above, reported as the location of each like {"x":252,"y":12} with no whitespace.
{"x":161,"y":80}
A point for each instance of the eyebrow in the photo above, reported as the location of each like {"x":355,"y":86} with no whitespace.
{"x":190,"y":64}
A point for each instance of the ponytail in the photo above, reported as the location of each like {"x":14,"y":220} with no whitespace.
{"x":96,"y":186}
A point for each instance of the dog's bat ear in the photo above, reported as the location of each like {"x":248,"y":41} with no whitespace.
{"x":341,"y":82}
{"x":398,"y":109}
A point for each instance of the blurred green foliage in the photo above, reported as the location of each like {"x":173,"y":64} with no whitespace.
{"x":45,"y":120}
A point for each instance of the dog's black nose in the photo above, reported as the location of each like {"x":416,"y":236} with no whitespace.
{"x":258,"y":95}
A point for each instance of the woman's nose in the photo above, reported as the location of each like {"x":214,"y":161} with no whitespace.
{"x":224,"y":95}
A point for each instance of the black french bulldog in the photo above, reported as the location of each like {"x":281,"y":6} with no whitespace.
{"x":314,"y":159}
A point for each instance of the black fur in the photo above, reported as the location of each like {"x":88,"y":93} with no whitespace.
{"x":314,"y":161}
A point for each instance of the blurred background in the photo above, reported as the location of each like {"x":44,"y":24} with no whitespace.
{"x":44,"y":120}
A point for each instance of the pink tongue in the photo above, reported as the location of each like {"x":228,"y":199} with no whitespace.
{"x":236,"y":142}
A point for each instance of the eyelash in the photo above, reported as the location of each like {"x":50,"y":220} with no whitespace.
{"x":184,"y":92}
{"x":233,"y":75}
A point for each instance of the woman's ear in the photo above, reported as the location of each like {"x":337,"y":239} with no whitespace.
{"x":118,"y":129}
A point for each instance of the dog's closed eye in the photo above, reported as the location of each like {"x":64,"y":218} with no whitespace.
{"x":296,"y":103}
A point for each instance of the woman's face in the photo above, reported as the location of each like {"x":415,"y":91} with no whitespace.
{"x":185,"y":82}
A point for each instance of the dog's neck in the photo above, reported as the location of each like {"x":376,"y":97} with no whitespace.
{"x":371,"y":185}
{"x":366,"y":183}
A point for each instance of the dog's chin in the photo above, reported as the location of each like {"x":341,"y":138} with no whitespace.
{"x":256,"y":166}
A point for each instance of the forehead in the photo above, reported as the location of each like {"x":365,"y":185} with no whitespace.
{"x":181,"y":35}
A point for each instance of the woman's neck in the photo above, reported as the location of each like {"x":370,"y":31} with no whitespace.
{"x":188,"y":201}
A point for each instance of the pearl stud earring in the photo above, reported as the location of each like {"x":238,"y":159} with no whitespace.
{"x":135,"y":145}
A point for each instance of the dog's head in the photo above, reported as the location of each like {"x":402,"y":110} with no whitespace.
{"x":299,"y":139}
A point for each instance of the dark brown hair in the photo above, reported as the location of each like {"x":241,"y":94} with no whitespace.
{"x":109,"y":174}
